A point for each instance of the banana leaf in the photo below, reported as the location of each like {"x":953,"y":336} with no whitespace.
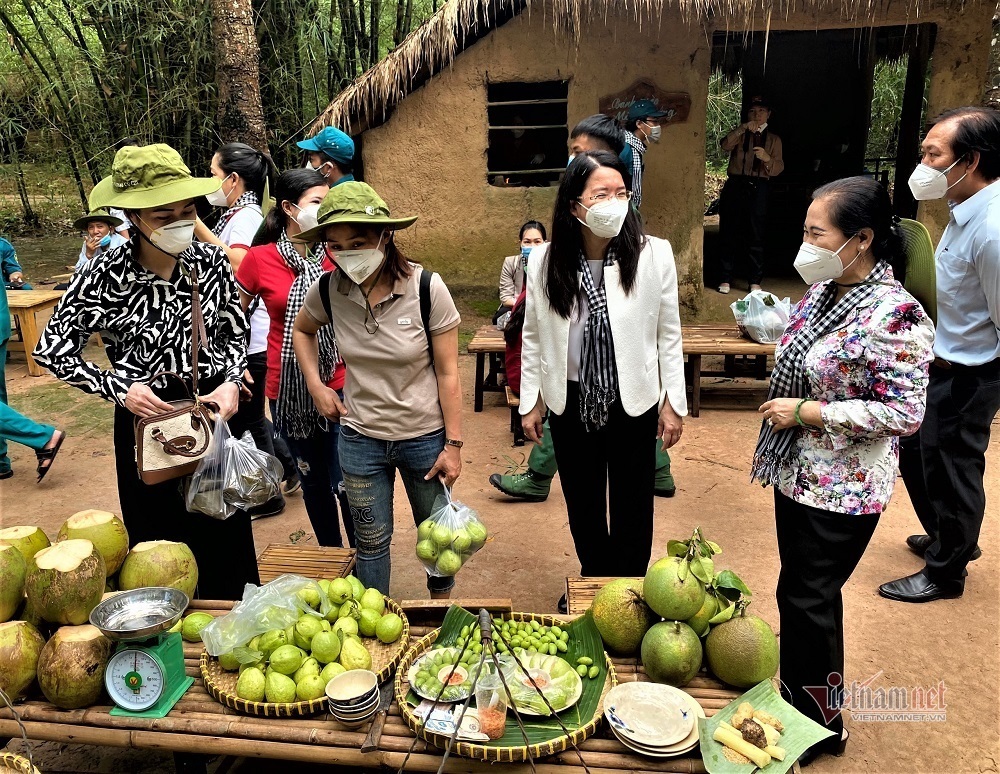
{"x":584,"y":640}
{"x":800,"y":732}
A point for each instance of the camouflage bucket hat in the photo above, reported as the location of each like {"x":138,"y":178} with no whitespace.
{"x":149,"y":176}
{"x":353,"y":203}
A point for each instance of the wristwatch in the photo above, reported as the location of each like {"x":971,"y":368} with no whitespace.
{"x":453,"y":442}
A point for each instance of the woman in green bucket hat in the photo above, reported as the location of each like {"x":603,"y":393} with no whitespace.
{"x":397,"y":333}
{"x":142,"y":300}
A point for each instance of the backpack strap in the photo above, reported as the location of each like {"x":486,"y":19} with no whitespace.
{"x":324,"y":293}
{"x":425,"y":307}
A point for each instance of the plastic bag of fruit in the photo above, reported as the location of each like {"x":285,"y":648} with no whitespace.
{"x":449,"y":537}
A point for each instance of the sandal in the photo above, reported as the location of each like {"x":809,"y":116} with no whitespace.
{"x":48,"y":456}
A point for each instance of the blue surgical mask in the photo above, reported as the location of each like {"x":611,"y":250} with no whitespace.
{"x":105,"y":241}
{"x":525,"y":252}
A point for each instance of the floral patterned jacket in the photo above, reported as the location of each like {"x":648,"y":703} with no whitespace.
{"x":870,"y":373}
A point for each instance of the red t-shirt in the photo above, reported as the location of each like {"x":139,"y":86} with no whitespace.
{"x":263,"y":272}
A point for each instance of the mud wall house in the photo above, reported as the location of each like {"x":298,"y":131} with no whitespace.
{"x":465,"y":123}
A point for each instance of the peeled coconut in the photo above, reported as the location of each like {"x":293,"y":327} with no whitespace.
{"x":71,"y":666}
{"x":66,"y":582}
{"x":159,"y":563}
{"x":103,"y":529}
{"x":13,"y":570}
{"x":622,"y":616}
{"x":20,"y":645}
{"x":668,"y":595}
{"x":28,"y":540}
{"x":742,"y":651}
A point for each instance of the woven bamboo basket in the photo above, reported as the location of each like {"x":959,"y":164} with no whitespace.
{"x":9,"y":762}
{"x":496,"y":754}
{"x":221,"y":685}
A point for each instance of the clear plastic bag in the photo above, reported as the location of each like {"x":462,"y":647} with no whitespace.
{"x":275,"y":605}
{"x":762,"y":316}
{"x":204,"y":490}
{"x":449,"y":537}
{"x":252,"y":475}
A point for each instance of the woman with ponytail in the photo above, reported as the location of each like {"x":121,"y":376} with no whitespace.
{"x":850,"y":377}
{"x":279,"y":270}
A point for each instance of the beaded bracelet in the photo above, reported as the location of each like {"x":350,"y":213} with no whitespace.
{"x":798,"y":407}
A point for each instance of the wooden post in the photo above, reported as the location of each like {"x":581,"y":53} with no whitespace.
{"x":908,"y":144}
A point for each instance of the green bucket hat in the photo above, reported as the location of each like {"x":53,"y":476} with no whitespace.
{"x":99,"y":215}
{"x":149,"y":176}
{"x":353,"y":202}
{"x":921,"y":272}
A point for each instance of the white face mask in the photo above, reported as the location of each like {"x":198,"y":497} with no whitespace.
{"x":220,"y":198}
{"x":817,"y":264}
{"x":928,"y":183}
{"x":654,"y":133}
{"x":359,"y":265}
{"x":307,"y":217}
{"x":606,"y":219}
{"x":175,"y":238}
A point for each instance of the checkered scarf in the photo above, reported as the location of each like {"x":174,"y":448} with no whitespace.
{"x":245,"y":200}
{"x":598,"y":372}
{"x":296,"y":414}
{"x":789,"y":377}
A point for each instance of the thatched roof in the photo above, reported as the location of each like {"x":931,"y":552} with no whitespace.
{"x":368,"y":101}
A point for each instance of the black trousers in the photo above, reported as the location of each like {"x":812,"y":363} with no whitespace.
{"x":250,"y":415}
{"x":943,"y":464}
{"x":818,"y":550}
{"x":608,"y":470}
{"x":742,"y":219}
{"x":224,"y":550}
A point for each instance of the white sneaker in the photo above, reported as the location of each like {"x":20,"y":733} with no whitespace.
{"x":724,"y":288}
{"x":754,"y":287}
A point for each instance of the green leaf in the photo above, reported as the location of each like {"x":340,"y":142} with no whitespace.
{"x":716,"y":548}
{"x":702,"y":568}
{"x":246,"y":655}
{"x":723,"y":615}
{"x":682,"y":571}
{"x":676,"y":548}
{"x":728,"y":579}
{"x":730,"y":594}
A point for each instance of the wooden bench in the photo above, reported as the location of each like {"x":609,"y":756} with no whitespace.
{"x":24,"y":305}
{"x":487,"y":341}
{"x":513,"y":402}
{"x":316,"y":562}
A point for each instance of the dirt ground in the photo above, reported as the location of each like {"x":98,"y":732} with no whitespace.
{"x":530,"y":555}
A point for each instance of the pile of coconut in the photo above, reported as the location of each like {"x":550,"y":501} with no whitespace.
{"x":47,"y":591}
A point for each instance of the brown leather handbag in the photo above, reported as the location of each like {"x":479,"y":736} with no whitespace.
{"x":171,"y":445}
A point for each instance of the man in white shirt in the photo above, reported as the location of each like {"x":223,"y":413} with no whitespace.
{"x":943,"y":465}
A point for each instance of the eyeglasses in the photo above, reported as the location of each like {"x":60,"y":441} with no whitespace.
{"x":622,"y":196}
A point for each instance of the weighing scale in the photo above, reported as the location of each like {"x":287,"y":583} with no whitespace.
{"x":145,"y":675}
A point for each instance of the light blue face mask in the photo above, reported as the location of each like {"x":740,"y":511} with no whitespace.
{"x":525,"y":252}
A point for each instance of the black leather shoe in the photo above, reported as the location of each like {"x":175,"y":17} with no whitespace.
{"x":919,"y":544}
{"x":919,"y":588}
{"x":831,"y":746}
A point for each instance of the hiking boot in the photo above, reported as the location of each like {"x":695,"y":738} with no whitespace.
{"x":530,"y":486}
{"x":663,"y":483}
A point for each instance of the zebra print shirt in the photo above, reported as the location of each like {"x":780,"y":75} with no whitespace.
{"x":148,"y":319}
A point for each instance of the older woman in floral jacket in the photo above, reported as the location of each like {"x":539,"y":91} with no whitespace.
{"x":850,"y":377}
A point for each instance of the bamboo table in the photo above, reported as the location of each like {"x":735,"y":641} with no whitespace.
{"x":24,"y":305}
{"x":200,"y":725}
{"x":317,"y":562}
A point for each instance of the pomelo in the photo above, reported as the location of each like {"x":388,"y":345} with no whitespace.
{"x":699,"y":621}
{"x":71,"y":666}
{"x":671,"y":653}
{"x":28,"y":540}
{"x":742,"y":651}
{"x":668,"y":595}
{"x":621,"y":615}
{"x":103,"y":529}
{"x":13,"y":571}
{"x":159,"y":563}
{"x":65,"y":582}
{"x":20,"y":645}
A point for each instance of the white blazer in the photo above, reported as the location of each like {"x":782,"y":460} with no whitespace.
{"x":645,"y":325}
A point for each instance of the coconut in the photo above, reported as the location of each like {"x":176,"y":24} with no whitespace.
{"x":13,"y":570}
{"x":71,"y":666}
{"x":66,"y":582}
{"x":104,"y":530}
{"x":20,"y":645}
{"x":28,"y":540}
{"x":159,"y":563}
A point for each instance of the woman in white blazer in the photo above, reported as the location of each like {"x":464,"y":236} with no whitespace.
{"x":602,"y":353}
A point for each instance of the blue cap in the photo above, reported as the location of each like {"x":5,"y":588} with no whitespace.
{"x":644,"y":108}
{"x":333,"y":142}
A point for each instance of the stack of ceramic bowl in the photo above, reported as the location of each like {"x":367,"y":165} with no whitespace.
{"x":353,"y":697}
{"x":655,"y":720}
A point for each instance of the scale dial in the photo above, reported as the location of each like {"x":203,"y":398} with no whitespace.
{"x":134,"y":679}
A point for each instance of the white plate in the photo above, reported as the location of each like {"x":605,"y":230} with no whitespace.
{"x":657,"y":715}
{"x":668,"y":751}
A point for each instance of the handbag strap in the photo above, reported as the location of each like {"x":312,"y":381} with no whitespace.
{"x":174,"y":374}
{"x":197,"y":327}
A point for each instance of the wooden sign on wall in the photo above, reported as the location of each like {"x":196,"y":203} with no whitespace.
{"x":676,"y":104}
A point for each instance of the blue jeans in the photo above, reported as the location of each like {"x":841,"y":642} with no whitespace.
{"x":15,"y":426}
{"x":318,"y":464}
{"x":370,"y":467}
